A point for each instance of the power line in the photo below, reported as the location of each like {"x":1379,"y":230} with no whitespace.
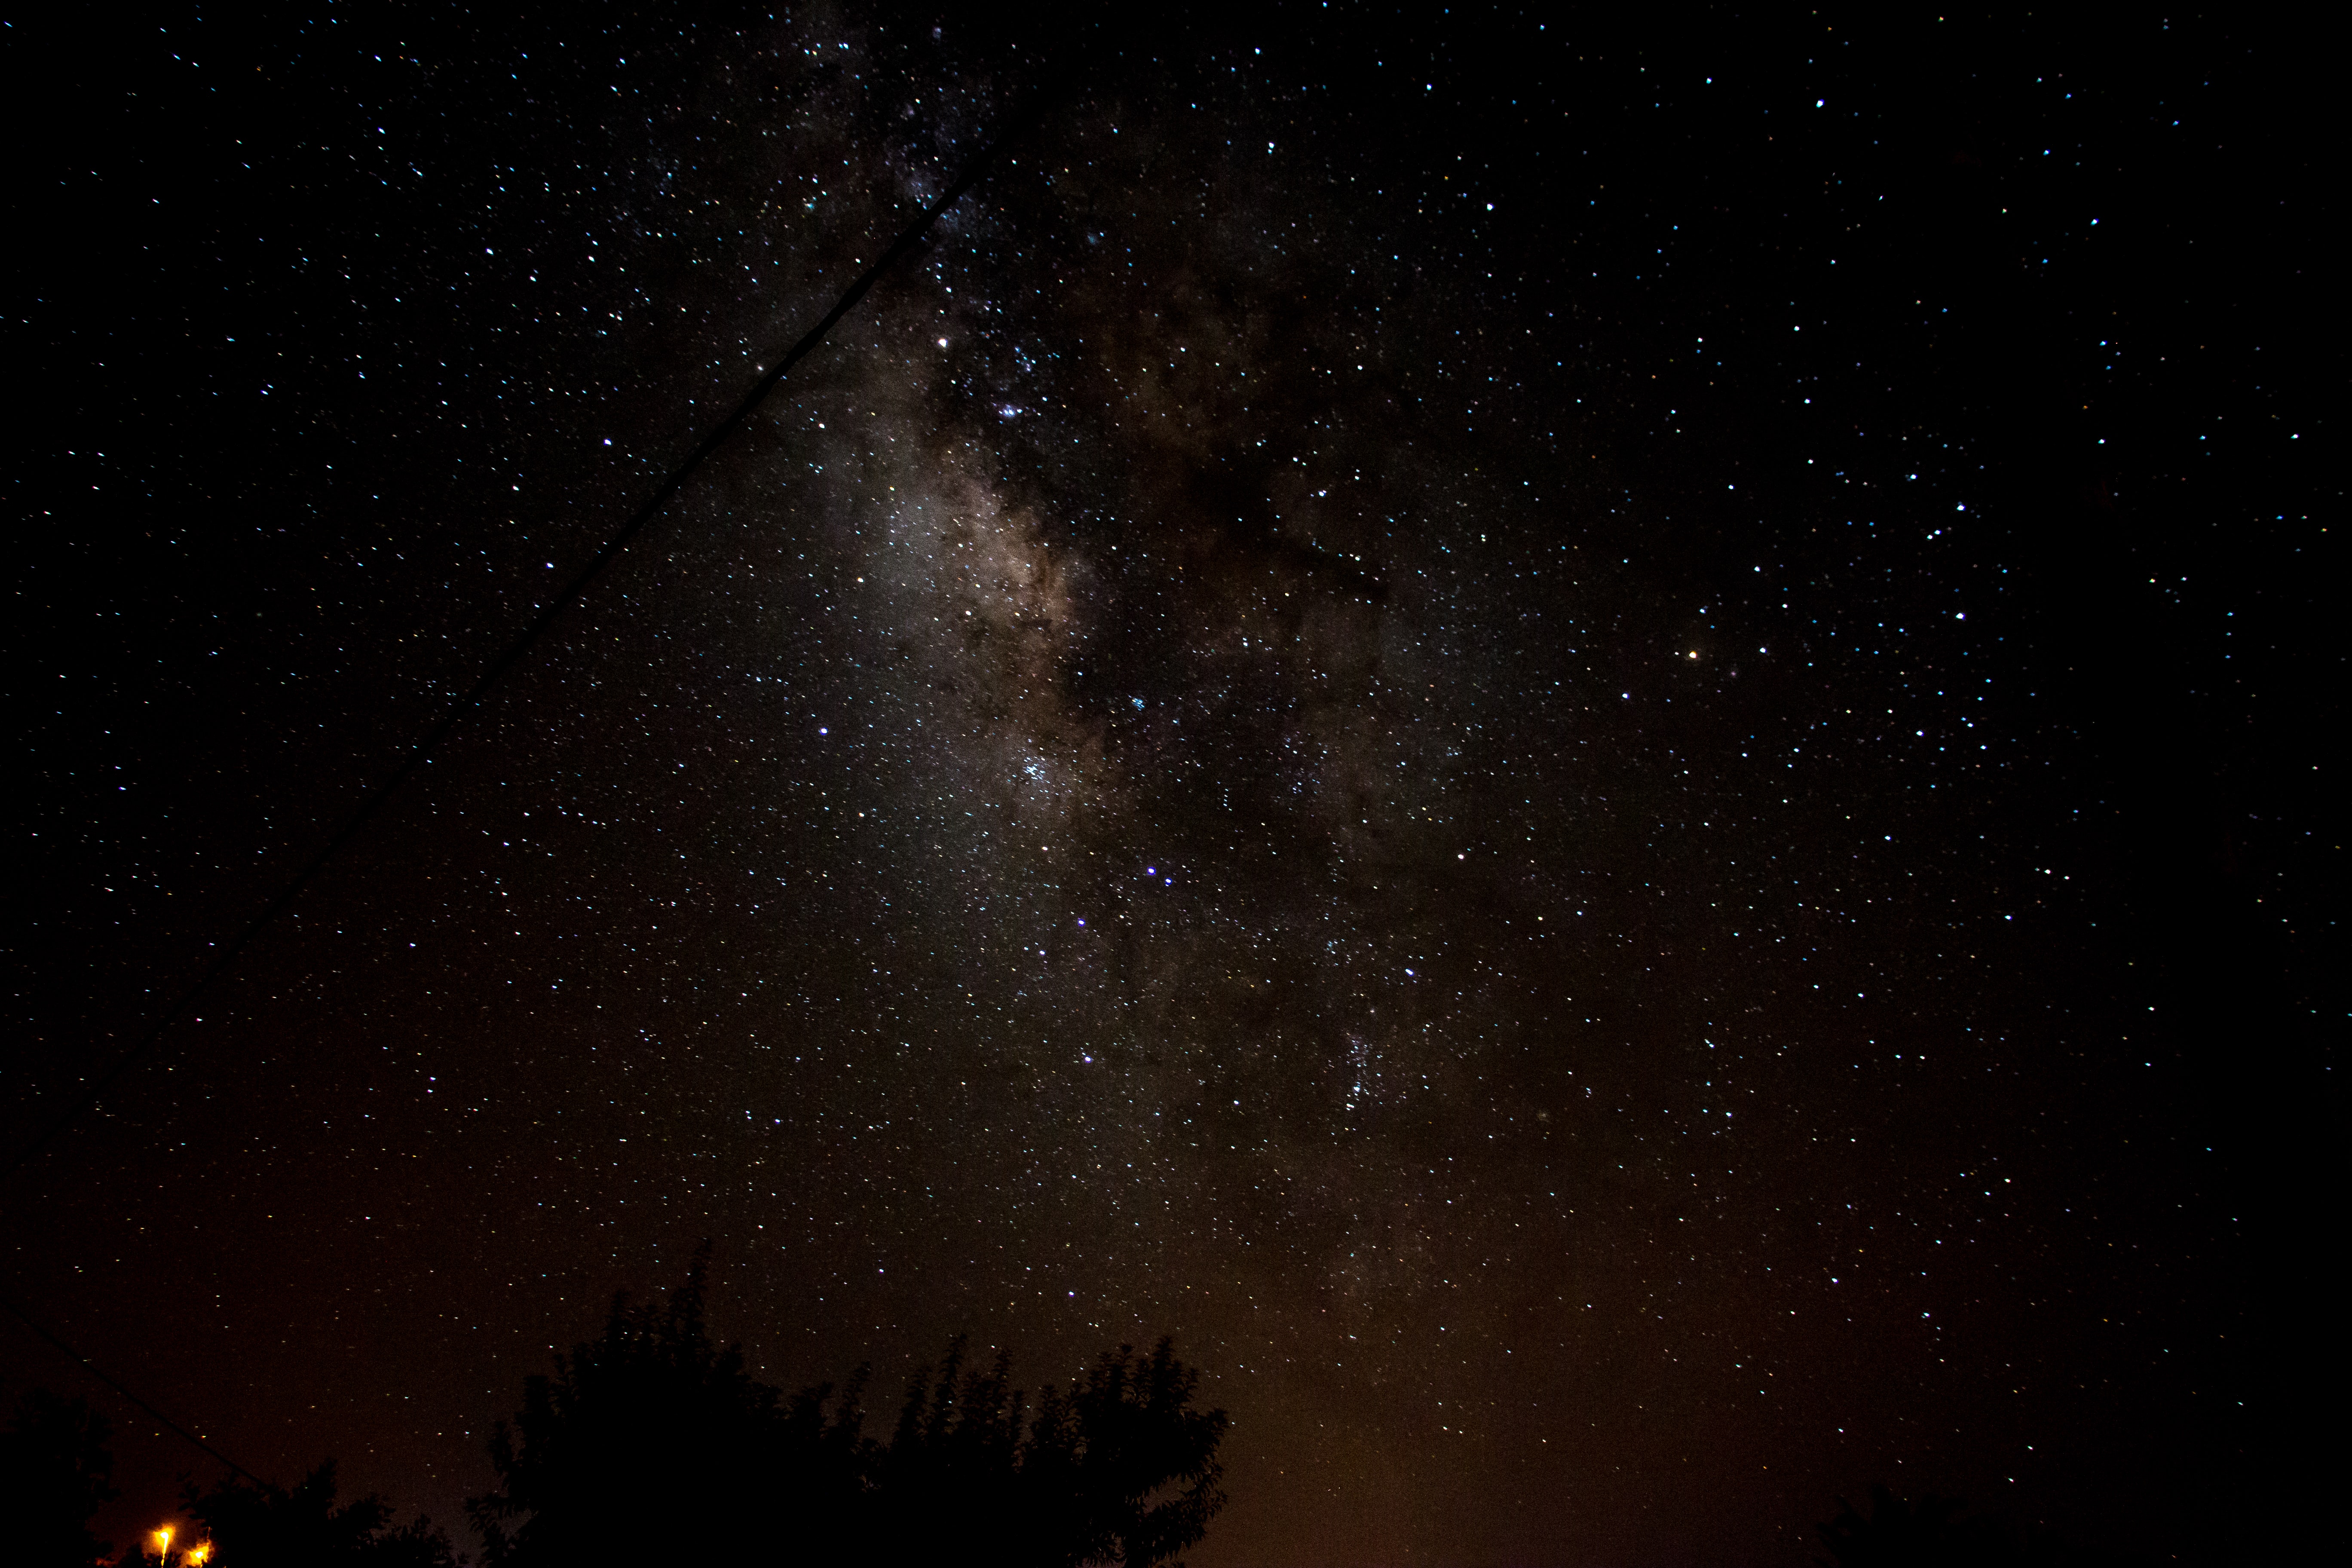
{"x":90,"y":1367}
{"x":423,"y":750}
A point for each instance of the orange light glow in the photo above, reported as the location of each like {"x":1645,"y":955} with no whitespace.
{"x":163,"y":1537}
{"x":199,"y":1554}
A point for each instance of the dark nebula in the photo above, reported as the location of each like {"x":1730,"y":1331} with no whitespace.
{"x":1596,"y":751}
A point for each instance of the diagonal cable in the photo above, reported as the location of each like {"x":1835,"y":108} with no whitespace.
{"x":423,"y":750}
{"x":90,"y":1367}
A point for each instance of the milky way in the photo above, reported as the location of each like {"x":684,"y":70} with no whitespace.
{"x":1390,"y":710}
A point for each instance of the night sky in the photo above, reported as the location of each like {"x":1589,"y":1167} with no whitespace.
{"x":1600,"y":750}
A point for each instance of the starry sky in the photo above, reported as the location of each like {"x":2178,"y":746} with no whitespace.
{"x":1598,"y":749}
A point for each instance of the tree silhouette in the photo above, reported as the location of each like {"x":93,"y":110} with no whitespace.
{"x":652,"y":1441}
{"x":951,"y":1472}
{"x":271,"y":1527}
{"x":55,"y":1472}
{"x":1119,"y":1470}
{"x":653,"y":1444}
{"x":1123,"y":1436}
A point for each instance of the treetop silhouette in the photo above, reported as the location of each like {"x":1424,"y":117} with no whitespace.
{"x":654,"y":1443}
{"x":266,"y":1526}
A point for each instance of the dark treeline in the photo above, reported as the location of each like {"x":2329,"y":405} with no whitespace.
{"x":652,"y":1444}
